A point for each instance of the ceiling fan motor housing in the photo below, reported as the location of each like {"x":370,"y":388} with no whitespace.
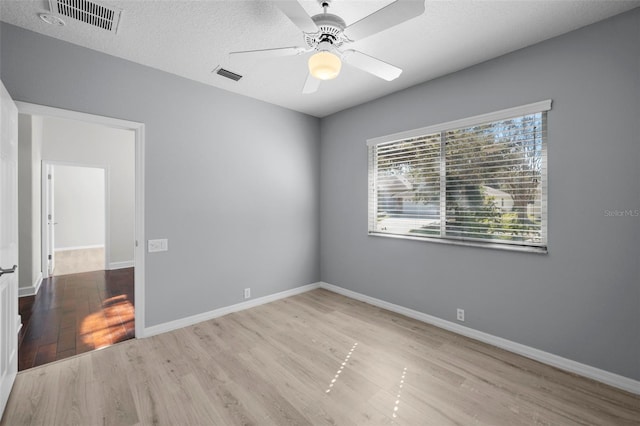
{"x":330,"y":29}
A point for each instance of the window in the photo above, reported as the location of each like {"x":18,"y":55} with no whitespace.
{"x":478,"y":181}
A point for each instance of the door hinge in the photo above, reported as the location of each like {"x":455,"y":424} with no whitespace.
{"x":49,"y":257}
{"x":49,"y":176}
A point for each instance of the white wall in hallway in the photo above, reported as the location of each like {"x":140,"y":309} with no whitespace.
{"x":79,"y":202}
{"x":29,"y":169}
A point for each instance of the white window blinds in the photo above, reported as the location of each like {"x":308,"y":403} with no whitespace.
{"x":480,"y":180}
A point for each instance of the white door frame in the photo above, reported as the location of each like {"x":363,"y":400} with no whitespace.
{"x":45,"y":219}
{"x":139,"y":130}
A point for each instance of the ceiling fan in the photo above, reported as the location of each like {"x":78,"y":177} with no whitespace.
{"x":326,"y":34}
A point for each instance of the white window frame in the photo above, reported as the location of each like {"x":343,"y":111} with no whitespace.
{"x":533,"y":108}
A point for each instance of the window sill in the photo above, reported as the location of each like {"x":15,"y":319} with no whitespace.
{"x":497,"y":246}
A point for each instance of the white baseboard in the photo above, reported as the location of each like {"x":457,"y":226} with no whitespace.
{"x":184,"y":322}
{"x":78,"y":248}
{"x":612,"y":379}
{"x":121,"y":265}
{"x":32,"y":290}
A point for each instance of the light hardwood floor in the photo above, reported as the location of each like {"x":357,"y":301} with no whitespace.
{"x":313,"y":359}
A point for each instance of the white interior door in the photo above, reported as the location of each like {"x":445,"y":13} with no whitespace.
{"x":9,"y":320}
{"x":50,"y":219}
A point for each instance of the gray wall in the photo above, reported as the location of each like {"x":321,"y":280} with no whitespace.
{"x":230,"y":181}
{"x":582,"y":300}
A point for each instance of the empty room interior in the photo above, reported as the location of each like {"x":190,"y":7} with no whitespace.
{"x":324,"y":212}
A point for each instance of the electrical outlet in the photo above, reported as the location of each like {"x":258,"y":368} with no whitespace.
{"x":247,"y":293}
{"x":460,"y":315}
{"x":158,"y":245}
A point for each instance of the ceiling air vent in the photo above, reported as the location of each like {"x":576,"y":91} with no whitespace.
{"x":226,"y":73}
{"x":90,"y":12}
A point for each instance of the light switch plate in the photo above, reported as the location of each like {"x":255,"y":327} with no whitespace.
{"x":158,"y":245}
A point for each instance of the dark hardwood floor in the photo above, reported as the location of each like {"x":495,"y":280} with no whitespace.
{"x":75,"y":313}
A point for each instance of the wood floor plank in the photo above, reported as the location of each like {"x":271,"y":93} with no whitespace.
{"x":73,"y":406}
{"x":263,"y":393}
{"x":34,"y":398}
{"x":306,"y":398}
{"x":111,"y":388}
{"x":317,"y":358}
{"x":564,"y":398}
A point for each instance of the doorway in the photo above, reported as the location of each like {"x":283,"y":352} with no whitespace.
{"x":92,"y":301}
{"x":74,"y":212}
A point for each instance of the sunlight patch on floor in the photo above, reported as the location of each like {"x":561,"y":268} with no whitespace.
{"x":344,"y":364}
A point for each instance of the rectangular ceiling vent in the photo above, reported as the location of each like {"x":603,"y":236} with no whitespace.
{"x":226,"y":73}
{"x":90,"y":12}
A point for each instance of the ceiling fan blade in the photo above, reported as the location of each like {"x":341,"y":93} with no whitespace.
{"x":387,"y":17}
{"x":311,"y":85}
{"x":296,"y":13}
{"x":371,"y":65}
{"x":268,"y":53}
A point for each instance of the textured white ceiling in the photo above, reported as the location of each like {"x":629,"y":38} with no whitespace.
{"x":191,"y":38}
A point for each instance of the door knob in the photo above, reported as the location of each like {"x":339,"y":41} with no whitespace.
{"x":8,"y":271}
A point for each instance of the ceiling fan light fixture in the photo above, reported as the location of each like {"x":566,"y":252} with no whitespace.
{"x":324,"y":65}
